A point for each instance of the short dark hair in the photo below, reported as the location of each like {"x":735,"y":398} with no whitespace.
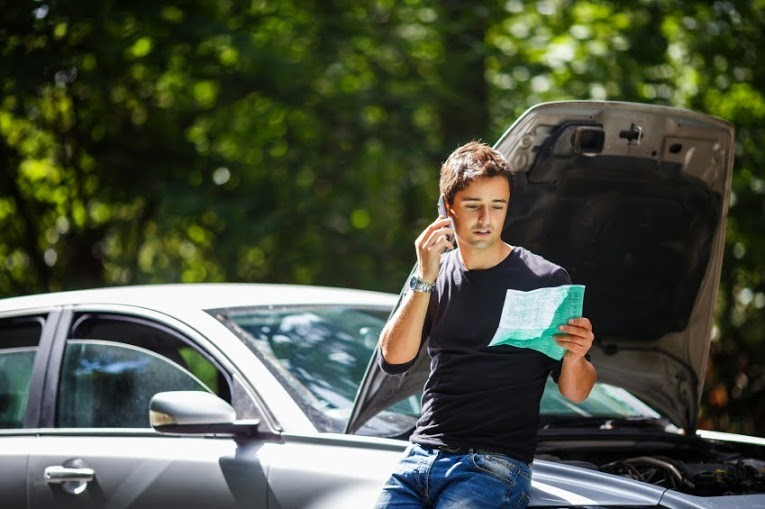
{"x":470,"y":162}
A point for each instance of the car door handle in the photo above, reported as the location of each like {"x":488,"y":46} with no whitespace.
{"x":58,"y":474}
{"x":72,"y":478}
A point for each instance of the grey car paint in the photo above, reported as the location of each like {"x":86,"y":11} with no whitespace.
{"x":139,"y":468}
{"x":554,"y":484}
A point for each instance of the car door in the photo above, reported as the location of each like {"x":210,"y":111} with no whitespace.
{"x":95,"y":446}
{"x":21,"y":341}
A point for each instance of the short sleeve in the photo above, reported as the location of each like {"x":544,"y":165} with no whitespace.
{"x":394,"y":369}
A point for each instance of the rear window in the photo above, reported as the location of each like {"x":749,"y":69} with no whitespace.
{"x":19,"y":339}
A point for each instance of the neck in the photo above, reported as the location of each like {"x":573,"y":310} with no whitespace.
{"x":478,"y":259}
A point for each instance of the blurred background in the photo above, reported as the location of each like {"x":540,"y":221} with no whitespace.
{"x":299,"y":141}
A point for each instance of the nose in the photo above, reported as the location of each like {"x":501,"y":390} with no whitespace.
{"x":484,"y":214}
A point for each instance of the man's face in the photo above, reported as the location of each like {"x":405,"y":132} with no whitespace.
{"x":479,"y":212}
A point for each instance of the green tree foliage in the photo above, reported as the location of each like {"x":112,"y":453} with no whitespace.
{"x":288,"y":141}
{"x":214,"y":142}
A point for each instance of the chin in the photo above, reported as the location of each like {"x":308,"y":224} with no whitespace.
{"x":483,"y":243}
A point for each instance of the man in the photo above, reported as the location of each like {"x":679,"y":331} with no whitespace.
{"x":474,"y":442}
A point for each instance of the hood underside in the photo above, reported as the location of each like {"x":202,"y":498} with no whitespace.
{"x":631,"y":199}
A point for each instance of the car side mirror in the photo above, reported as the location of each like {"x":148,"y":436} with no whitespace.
{"x":196,"y":412}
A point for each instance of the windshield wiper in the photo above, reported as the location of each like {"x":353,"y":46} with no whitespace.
{"x":550,"y":422}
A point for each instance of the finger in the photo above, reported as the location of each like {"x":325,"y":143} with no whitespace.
{"x":431,"y":243}
{"x":574,"y":349}
{"x":577,"y":343}
{"x":576,"y":332}
{"x":426,"y":237}
{"x":573,"y":340}
{"x":439,"y":245}
{"x":581,"y":322}
{"x":440,"y":222}
{"x":437,"y":238}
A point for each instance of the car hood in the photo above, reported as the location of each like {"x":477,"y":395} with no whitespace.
{"x":632,"y":200}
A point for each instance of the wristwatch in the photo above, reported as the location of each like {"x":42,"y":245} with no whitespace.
{"x":418,"y":285}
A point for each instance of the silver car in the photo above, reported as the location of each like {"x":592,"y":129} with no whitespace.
{"x":243,"y":395}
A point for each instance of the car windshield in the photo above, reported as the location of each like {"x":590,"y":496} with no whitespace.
{"x":320,"y":354}
{"x":604,"y":401}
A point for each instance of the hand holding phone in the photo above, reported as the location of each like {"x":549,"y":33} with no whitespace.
{"x":433,"y":242}
{"x":443,"y":213}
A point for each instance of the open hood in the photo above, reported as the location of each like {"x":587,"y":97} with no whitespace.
{"x":632,"y":200}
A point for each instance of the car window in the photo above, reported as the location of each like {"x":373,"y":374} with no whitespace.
{"x":605,"y":400}
{"x":109,"y":385}
{"x":396,"y":421}
{"x":19,"y":340}
{"x":15,"y":375}
{"x":114,"y":364}
{"x":320,"y":353}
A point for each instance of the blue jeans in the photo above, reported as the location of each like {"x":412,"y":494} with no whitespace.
{"x":433,"y":478}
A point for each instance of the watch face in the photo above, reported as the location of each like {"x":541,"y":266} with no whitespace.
{"x":420,"y":286}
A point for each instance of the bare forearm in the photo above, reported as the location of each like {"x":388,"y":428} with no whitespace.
{"x":576,"y":379}
{"x":577,"y":375}
{"x":400,"y":339}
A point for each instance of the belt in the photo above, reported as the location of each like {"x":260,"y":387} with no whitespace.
{"x":474,"y":450}
{"x":462,"y":450}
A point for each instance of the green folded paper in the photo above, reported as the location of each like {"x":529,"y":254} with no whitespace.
{"x":530,"y":319}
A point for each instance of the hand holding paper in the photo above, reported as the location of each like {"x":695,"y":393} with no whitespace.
{"x":577,"y":337}
{"x":531,"y":319}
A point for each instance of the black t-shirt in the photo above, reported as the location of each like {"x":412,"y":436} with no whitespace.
{"x":479,"y":396}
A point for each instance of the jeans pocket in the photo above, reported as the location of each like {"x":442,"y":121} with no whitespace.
{"x":514,"y":475}
{"x":507,"y":469}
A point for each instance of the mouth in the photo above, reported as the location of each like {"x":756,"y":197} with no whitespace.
{"x":482,"y":233}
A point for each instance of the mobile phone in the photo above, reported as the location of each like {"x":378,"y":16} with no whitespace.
{"x":442,"y":212}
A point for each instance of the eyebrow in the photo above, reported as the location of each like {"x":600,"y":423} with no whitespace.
{"x":495,"y":200}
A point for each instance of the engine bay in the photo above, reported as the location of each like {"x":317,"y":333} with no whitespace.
{"x":687,"y":464}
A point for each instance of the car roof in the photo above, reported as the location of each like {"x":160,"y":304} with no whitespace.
{"x":201,"y":296}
